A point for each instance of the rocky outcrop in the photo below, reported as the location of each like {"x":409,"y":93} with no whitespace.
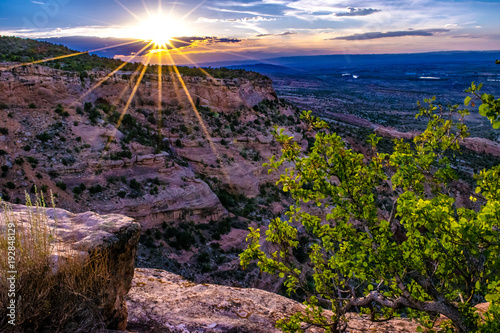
{"x":164,"y":302}
{"x":182,"y":196}
{"x":23,"y":85}
{"x":479,"y":145}
{"x":90,"y":234}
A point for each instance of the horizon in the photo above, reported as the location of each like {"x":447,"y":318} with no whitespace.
{"x":108,"y":53}
{"x":211,"y":31}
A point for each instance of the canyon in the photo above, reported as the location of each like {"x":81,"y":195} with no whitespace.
{"x":181,"y":160}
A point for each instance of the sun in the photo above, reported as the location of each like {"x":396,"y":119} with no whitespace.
{"x":160,"y":29}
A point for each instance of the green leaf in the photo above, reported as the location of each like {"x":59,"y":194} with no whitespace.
{"x":467,"y":100}
{"x":483,"y":110}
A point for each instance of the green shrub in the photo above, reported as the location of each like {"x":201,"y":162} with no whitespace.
{"x":32,"y":160}
{"x":95,"y":189}
{"x":135,"y":185}
{"x":44,"y":137}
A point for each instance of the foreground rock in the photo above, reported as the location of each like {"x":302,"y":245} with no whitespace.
{"x":160,"y":301}
{"x":89,"y":233}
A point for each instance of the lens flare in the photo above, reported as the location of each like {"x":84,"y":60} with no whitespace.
{"x":160,"y":29}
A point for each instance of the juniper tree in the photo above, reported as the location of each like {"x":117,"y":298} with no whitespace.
{"x":427,"y":257}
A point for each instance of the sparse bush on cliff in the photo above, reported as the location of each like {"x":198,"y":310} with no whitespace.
{"x":61,"y":185}
{"x":429,"y":258}
{"x":44,"y":137}
{"x":53,"y":295}
{"x":135,"y":185}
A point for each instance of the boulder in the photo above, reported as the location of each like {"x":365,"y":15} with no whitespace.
{"x":91,"y":234}
{"x":160,"y":301}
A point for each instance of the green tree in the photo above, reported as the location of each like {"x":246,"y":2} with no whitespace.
{"x":427,"y":258}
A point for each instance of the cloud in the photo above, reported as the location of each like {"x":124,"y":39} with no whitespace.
{"x":466,"y":36}
{"x":358,"y":12}
{"x":238,"y":11}
{"x":375,"y":35}
{"x":240,"y":20}
{"x":286,"y":33}
{"x":126,"y":46}
{"x":189,"y":41}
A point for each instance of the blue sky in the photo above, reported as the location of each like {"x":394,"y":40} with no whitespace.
{"x":266,"y":28}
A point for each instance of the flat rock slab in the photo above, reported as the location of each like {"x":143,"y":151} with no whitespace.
{"x":160,"y":301}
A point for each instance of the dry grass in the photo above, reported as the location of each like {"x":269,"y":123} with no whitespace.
{"x":54,"y":293}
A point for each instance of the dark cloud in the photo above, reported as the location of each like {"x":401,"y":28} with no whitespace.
{"x":187,"y":41}
{"x":126,"y":46}
{"x":375,"y":35}
{"x":358,"y":12}
{"x":286,"y":33}
{"x":466,"y":36}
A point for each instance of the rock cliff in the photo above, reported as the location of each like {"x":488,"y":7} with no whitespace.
{"x":65,"y":147}
{"x":192,"y":177}
{"x":89,"y":234}
{"x":164,"y":302}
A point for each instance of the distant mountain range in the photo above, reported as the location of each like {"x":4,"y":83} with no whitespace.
{"x":288,"y":64}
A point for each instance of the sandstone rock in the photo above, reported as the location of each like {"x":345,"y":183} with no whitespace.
{"x":265,"y":138}
{"x":170,"y":303}
{"x":111,"y":132}
{"x":91,"y":233}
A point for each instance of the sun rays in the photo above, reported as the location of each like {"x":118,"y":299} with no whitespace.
{"x":159,"y":31}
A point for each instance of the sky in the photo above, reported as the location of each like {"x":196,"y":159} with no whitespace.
{"x":260,"y":29}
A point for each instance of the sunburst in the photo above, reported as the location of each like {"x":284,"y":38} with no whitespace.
{"x":160,"y":31}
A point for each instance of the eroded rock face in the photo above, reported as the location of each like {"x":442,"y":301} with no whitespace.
{"x":90,"y":233}
{"x":164,"y":302}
